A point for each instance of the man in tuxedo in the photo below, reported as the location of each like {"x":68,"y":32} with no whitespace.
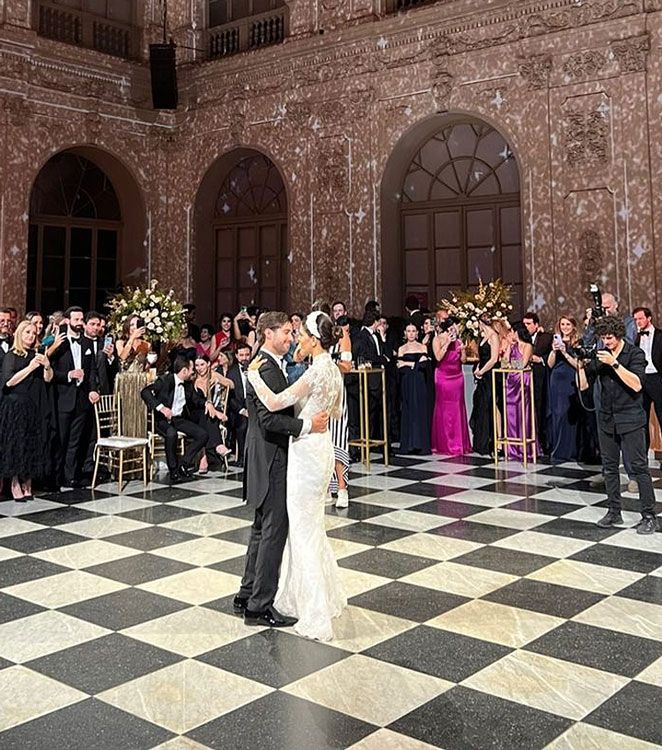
{"x":265,"y":473}
{"x":77,"y":389}
{"x":107,"y":361}
{"x":338,"y":310}
{"x":414,"y":314}
{"x":237,"y":411}
{"x":173,"y":398}
{"x":542,"y":346}
{"x":649,"y":340}
{"x":6,"y":340}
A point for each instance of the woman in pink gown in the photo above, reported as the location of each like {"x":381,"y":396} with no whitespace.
{"x":450,"y":431}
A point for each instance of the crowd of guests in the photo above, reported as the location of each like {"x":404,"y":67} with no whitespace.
{"x":53,"y":370}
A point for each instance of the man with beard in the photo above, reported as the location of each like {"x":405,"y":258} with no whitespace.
{"x":77,"y":388}
{"x":6,"y":340}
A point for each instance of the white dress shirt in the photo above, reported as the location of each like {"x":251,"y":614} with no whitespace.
{"x":179,"y":399}
{"x":646,"y":346}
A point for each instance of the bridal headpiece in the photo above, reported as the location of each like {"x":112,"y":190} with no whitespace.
{"x":311,"y":323}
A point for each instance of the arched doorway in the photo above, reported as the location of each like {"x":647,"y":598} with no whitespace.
{"x":456,"y":210}
{"x":85,"y":233}
{"x":241,"y":224}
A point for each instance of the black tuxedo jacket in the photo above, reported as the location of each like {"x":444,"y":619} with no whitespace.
{"x":268,"y":433}
{"x":656,"y":351}
{"x":543,"y":345}
{"x":107,"y":371}
{"x":237,"y":398}
{"x":10,"y":342}
{"x":364,"y":348}
{"x":162,"y":393}
{"x":69,"y":395}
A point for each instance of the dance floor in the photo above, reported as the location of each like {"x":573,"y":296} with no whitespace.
{"x":486,"y":611}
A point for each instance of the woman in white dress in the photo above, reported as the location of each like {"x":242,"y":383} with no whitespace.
{"x":310,"y":587}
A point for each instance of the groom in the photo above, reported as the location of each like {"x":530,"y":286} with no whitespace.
{"x":265,"y":473}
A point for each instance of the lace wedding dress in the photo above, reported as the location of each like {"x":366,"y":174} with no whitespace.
{"x":309,"y":587}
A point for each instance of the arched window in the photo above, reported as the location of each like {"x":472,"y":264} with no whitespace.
{"x":74,"y":235}
{"x":460,"y":213}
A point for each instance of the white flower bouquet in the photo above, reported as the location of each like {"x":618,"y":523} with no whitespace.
{"x":492,"y":299}
{"x":164,"y":316}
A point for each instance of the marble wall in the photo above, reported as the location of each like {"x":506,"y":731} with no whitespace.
{"x":573,"y":85}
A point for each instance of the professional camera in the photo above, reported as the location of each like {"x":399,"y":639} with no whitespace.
{"x":585,"y":352}
{"x":597,"y":311}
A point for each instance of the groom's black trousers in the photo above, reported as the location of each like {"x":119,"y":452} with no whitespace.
{"x":268,"y":537}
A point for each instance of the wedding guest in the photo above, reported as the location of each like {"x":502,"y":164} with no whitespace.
{"x":429,"y":366}
{"x":542,"y":346}
{"x":237,"y":412}
{"x":26,"y":419}
{"x":482,"y":420}
{"x":189,"y":316}
{"x":52,"y":329}
{"x":205,"y":346}
{"x":341,"y":352}
{"x":13,"y":319}
{"x":518,"y":357}
{"x":338,"y":310}
{"x":210,"y":385}
{"x":294,"y":369}
{"x":411,"y":360}
{"x":244,"y":329}
{"x":450,"y":431}
{"x":223,"y":337}
{"x":413,"y":311}
{"x":6,"y":340}
{"x":37,"y":320}
{"x":649,"y":340}
{"x":135,"y":357}
{"x":563,"y":412}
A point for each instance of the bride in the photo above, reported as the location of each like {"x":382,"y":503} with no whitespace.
{"x":309,"y":586}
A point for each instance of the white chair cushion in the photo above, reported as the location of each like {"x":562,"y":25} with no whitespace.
{"x":118,"y":442}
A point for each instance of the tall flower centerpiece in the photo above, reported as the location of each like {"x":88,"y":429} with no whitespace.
{"x":163,"y":315}
{"x":491,"y":299}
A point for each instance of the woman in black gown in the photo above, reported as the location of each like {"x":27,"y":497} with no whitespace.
{"x":26,"y":419}
{"x":414,"y":429}
{"x":481,"y":422}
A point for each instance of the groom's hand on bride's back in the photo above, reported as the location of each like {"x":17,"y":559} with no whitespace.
{"x":320,"y":421}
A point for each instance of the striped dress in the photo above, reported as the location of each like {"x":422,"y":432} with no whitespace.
{"x":340,"y":436}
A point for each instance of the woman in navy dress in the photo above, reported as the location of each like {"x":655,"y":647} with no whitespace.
{"x":563,"y":410}
{"x":412,"y":361}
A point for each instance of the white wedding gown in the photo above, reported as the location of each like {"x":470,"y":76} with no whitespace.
{"x":309,"y":587}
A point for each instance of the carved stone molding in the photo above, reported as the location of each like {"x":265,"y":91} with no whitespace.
{"x":18,"y":110}
{"x":632,"y":54}
{"x":585,"y":64}
{"x":590,"y":257}
{"x":586,"y":138}
{"x":535,"y":71}
{"x":442,"y":88}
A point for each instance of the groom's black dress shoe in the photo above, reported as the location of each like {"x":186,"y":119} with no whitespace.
{"x":270,"y":617}
{"x":239,"y":605}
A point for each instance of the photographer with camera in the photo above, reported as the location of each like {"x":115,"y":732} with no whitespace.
{"x":620,"y":369}
{"x":605,"y":303}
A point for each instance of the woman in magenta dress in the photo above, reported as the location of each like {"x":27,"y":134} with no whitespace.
{"x":519,"y":356}
{"x":450,"y":431}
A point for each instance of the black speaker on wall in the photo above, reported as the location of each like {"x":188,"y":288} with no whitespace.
{"x":164,"y":76}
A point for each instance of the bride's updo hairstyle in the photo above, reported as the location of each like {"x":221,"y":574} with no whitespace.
{"x":329,"y":334}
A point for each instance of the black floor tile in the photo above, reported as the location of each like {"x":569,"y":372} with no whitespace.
{"x":235,"y":566}
{"x":416,"y":475}
{"x":447,"y":655}
{"x":60,"y":516}
{"x":497,"y":475}
{"x":544,"y":507}
{"x":237,"y":492}
{"x":224,"y":604}
{"x":599,"y":648}
{"x":239,"y":511}
{"x":581,"y":485}
{"x":631,"y":504}
{"x":468,"y":460}
{"x":403,"y":461}
{"x":150,"y":538}
{"x":368,"y":533}
{"x":72,"y":497}
{"x":634,"y":710}
{"x":13,"y":608}
{"x":504,"y":560}
{"x":37,"y":541}
{"x":358,"y":511}
{"x":157,"y":514}
{"x":383,"y":562}
{"x":239,"y":536}
{"x":103,"y":663}
{"x":428,"y":489}
{"x":548,"y":598}
{"x":280,"y":720}
{"x":482,"y":533}
{"x":576,"y":529}
{"x":90,"y":725}
{"x":122,"y":609}
{"x":648,"y":589}
{"x":166,"y":494}
{"x":22,"y":569}
{"x":464,"y":719}
{"x":567,"y":472}
{"x":449,"y":508}
{"x":4,"y":664}
{"x":619,"y":557}
{"x":513,"y":488}
{"x":139,"y":568}
{"x":273,"y":657}
{"x":356,"y":491}
{"x":407,"y":601}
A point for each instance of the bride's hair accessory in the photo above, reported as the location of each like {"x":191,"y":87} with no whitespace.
{"x":311,"y":324}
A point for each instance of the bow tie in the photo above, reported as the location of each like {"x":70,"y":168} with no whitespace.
{"x":644,"y":333}
{"x":75,"y":341}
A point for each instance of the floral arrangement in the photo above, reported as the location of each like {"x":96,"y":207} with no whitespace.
{"x":492,"y":299}
{"x":162,"y":313}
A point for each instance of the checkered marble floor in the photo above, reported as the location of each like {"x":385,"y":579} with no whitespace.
{"x":486,"y":611}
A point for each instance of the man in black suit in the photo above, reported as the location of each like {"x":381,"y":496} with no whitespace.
{"x":77,"y":389}
{"x":414,"y":314}
{"x":649,"y":340}
{"x":265,"y":473}
{"x":542,"y":346}
{"x":173,"y":398}
{"x":6,"y":340}
{"x":237,"y":411}
{"x":106,"y":359}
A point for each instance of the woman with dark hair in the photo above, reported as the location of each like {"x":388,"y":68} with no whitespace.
{"x":518,"y":357}
{"x":26,"y":418}
{"x":294,"y":369}
{"x":205,"y":347}
{"x":210,"y":385}
{"x":37,"y":320}
{"x":481,"y":422}
{"x":223,"y":337}
{"x":310,"y":587}
{"x":135,"y":357}
{"x":411,"y":362}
